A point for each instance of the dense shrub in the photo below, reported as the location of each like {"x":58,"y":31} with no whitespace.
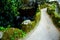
{"x":9,"y":11}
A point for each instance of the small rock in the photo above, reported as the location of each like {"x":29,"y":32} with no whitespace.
{"x":26,"y":25}
{"x":1,"y":34}
{"x":26,"y":22}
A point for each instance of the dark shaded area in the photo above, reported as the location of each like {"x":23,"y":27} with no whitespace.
{"x":7,"y":14}
{"x":29,"y":12}
{"x":26,"y":14}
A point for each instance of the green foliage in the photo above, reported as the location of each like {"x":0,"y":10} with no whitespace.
{"x":13,"y":34}
{"x":57,"y":15}
{"x":2,"y":28}
{"x":52,"y":7}
{"x":8,"y":11}
{"x":12,"y":6}
{"x":38,"y":13}
{"x":43,"y":5}
{"x":54,"y":14}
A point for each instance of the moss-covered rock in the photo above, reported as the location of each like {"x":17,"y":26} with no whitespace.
{"x":27,"y":27}
{"x":13,"y":34}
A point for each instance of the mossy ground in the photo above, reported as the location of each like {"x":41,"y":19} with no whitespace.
{"x":12,"y":33}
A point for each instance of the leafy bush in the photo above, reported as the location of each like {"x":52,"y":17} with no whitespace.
{"x":13,"y":34}
{"x":9,"y":11}
{"x":53,"y":11}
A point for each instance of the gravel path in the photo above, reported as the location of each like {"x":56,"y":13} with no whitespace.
{"x":45,"y":29}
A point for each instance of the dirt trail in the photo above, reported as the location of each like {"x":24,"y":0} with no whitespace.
{"x":45,"y":29}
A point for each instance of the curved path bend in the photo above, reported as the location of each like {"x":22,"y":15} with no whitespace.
{"x":45,"y":30}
